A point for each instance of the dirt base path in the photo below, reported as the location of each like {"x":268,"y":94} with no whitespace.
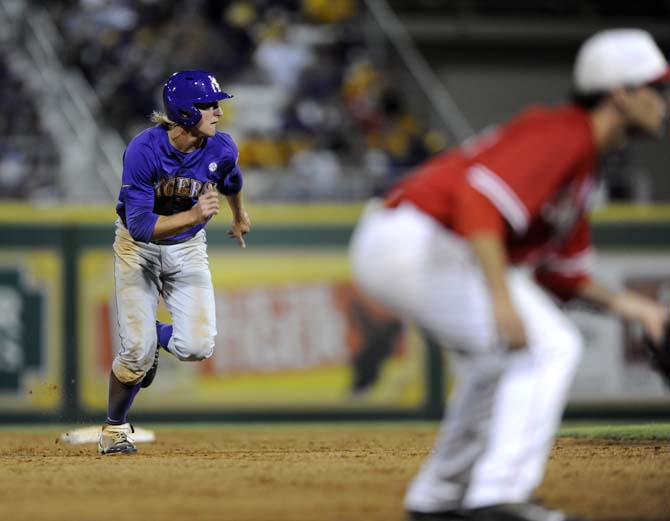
{"x":296,"y":473}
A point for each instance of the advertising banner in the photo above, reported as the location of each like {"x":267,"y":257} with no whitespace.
{"x":31,"y":318}
{"x":293,"y":333}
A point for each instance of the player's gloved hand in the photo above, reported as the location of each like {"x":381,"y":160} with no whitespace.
{"x":659,"y":352}
{"x":241,"y":226}
{"x":207,"y":206}
{"x":655,"y":321}
{"x":636,"y":307}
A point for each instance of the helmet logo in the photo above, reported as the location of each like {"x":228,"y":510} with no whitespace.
{"x":215,"y":84}
{"x":212,"y":166}
{"x":184,"y":90}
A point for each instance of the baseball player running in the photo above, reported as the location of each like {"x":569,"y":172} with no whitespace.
{"x":470,"y":246}
{"x":172,"y":174}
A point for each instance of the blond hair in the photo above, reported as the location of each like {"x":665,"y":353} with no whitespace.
{"x":160,"y":118}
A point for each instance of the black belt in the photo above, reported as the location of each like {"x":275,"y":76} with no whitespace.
{"x":171,"y":242}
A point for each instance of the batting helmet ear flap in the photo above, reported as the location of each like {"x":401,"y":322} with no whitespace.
{"x":185,"y":115}
{"x":186,"y":88}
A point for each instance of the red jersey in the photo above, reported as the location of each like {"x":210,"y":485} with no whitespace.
{"x":528,"y":181}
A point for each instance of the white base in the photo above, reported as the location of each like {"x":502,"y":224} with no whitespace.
{"x":92,"y":435}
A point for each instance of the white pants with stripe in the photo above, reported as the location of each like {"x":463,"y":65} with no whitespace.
{"x":180,"y":273}
{"x":506,"y":407}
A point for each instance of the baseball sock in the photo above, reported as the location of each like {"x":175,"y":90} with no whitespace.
{"x":164,"y":332}
{"x":121,"y":397}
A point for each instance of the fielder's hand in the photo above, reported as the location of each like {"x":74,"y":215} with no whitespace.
{"x":659,"y":352}
{"x":241,"y":226}
{"x":509,"y":325}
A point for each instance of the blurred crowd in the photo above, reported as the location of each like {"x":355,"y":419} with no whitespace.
{"x":28,"y":155}
{"x":333,"y":108}
{"x":310,"y":99}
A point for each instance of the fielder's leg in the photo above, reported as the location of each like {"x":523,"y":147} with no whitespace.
{"x":443,"y":479}
{"x":496,"y":437}
{"x":409,"y":263}
{"x":529,"y":403}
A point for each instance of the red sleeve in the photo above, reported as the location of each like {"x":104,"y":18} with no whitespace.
{"x":533,"y":158}
{"x":569,"y":266}
{"x":473,"y":213}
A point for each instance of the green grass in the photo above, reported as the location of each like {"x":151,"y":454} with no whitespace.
{"x":617,"y":431}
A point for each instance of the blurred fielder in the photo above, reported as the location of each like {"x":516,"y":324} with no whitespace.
{"x":172,"y":174}
{"x":467,"y":247}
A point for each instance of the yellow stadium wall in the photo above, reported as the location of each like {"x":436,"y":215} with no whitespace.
{"x":291,"y":328}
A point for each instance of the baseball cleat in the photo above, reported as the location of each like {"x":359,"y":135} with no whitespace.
{"x":151,"y":373}
{"x":447,"y":515}
{"x":117,"y":439}
{"x":519,"y":512}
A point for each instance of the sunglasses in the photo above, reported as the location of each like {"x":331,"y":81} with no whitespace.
{"x":206,"y":106}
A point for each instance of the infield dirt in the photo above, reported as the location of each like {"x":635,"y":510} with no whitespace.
{"x":297,"y":473}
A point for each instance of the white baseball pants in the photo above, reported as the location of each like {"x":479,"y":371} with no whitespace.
{"x":499,"y":426}
{"x":180,"y":273}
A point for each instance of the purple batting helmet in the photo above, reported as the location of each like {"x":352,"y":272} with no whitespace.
{"x":186,"y":88}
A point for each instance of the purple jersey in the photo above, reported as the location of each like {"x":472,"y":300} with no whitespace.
{"x":158,"y":179}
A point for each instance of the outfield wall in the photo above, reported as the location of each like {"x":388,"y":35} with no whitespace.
{"x":296,"y":339}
